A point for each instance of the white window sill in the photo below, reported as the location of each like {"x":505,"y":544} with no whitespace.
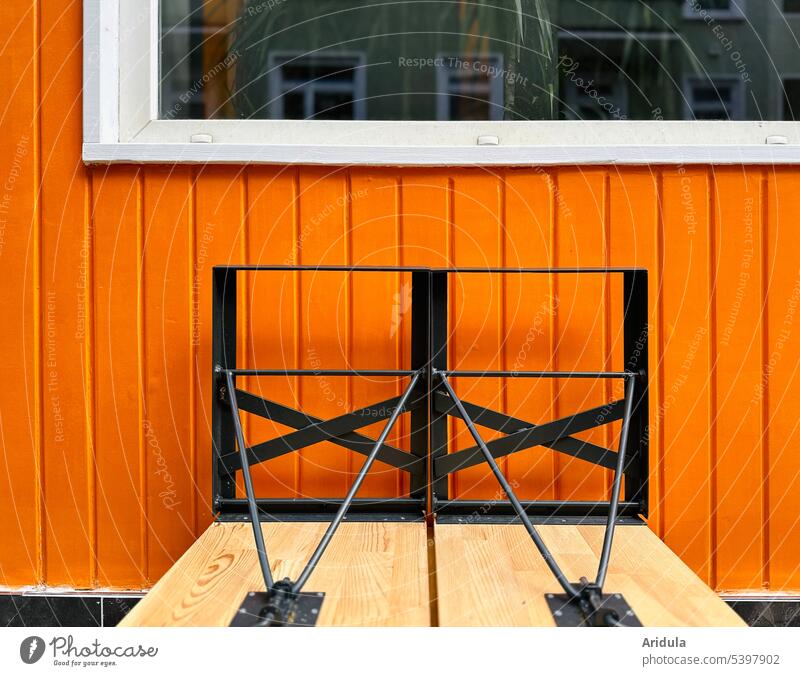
{"x":241,"y":153}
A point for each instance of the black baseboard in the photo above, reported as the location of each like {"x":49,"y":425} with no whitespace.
{"x":101,"y":610}
{"x":64,"y":610}
{"x":767,"y":611}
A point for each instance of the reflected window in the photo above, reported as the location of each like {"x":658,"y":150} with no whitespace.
{"x":473,"y":60}
{"x":317,"y":87}
{"x":713,"y":98}
{"x":719,"y":9}
{"x":470,"y":87}
{"x":791,"y":99}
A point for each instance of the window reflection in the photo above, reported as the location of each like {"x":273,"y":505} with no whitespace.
{"x":479,"y":59}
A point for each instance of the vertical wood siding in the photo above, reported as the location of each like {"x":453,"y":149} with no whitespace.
{"x":104,"y":416}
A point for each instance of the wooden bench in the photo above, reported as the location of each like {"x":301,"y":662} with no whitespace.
{"x":377,"y":574}
{"x":492,"y":575}
{"x":373,"y":574}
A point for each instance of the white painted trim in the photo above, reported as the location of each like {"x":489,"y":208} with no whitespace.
{"x":136,"y":54}
{"x":240,"y":153}
{"x":100,"y":71}
{"x":339,"y":133}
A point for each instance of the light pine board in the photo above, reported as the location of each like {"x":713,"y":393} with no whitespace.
{"x":492,"y":575}
{"x":373,"y":574}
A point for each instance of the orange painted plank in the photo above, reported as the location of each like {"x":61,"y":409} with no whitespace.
{"x":780,"y":365}
{"x":170,"y":456}
{"x":116,"y":218}
{"x":219,"y":239}
{"x":580,"y":319}
{"x":738,"y":213}
{"x":67,"y":261}
{"x":476,"y":314}
{"x":274,"y":237}
{"x":635,"y":242}
{"x":21,"y":553}
{"x":529,"y":311}
{"x":424,"y":207}
{"x":325,"y":339}
{"x":687,"y":368}
{"x":381,"y":307}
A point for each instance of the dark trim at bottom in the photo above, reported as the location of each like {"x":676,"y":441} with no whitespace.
{"x":323,"y":509}
{"x":536,"y":519}
{"x":103,"y":610}
{"x":475,"y":511}
{"x":65,"y":610}
{"x":766,"y":611}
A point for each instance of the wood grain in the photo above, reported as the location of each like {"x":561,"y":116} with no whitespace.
{"x":492,"y":575}
{"x":373,"y":574}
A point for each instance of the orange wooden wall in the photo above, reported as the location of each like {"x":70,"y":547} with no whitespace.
{"x":104,"y":417}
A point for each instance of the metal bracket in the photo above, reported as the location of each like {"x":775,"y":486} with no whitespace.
{"x":279,"y":607}
{"x":591,"y":608}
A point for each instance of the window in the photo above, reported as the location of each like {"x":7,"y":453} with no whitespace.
{"x":714,"y":9}
{"x":469,"y":87}
{"x":791,"y":98}
{"x":714,"y":98}
{"x":791,"y":6}
{"x":321,"y":86}
{"x":340,"y":81}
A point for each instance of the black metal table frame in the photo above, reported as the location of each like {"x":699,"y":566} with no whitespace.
{"x":431,"y":400}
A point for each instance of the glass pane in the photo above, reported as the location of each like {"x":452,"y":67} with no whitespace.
{"x":474,"y":59}
{"x":791,"y":99}
{"x":713,"y":5}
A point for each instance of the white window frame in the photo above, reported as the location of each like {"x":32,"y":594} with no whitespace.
{"x":121,"y":124}
{"x":735,"y":13}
